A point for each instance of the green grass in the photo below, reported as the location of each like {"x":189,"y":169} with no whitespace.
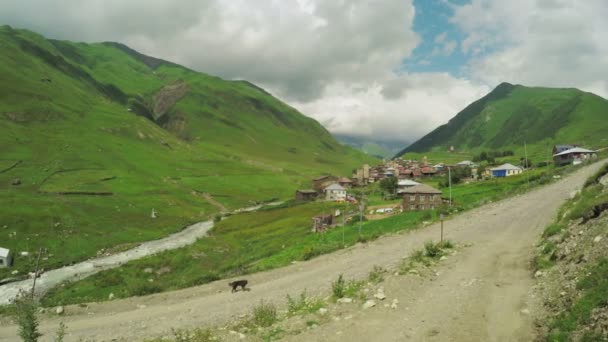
{"x":513,"y":114}
{"x":594,"y":288}
{"x":263,"y":240}
{"x":68,"y":113}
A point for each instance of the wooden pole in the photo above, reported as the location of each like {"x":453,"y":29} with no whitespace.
{"x":36,"y":272}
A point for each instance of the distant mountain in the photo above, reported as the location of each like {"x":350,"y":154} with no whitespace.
{"x":95,"y":136}
{"x":511,"y":115}
{"x":373,"y":147}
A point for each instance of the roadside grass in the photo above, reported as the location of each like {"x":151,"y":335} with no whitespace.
{"x":376,"y":275}
{"x":272,"y":237}
{"x":431,"y":253}
{"x":303,"y":304}
{"x":593,"y":287}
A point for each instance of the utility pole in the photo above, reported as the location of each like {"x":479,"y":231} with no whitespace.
{"x":441,"y":218}
{"x":344,"y":222}
{"x":526,"y":163}
{"x":450,"y":183}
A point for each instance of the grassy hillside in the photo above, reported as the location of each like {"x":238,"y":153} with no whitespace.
{"x":513,"y":114}
{"x":98,"y":135}
{"x":379,"y":148}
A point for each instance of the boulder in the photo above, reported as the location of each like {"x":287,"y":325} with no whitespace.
{"x":111,"y":296}
{"x":59,"y":310}
{"x":345,"y":300}
{"x":16,"y":181}
{"x":597,"y":239}
{"x":380,"y":295}
{"x":369,"y":304}
{"x":322,"y":311}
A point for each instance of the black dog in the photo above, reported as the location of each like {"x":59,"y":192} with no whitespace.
{"x":237,"y":283}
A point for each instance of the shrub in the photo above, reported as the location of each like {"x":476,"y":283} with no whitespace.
{"x":376,"y":274}
{"x":418,"y":256}
{"x":25,"y":315}
{"x":432,"y":250}
{"x":338,"y":287}
{"x":265,"y":314}
{"x":217,"y":218}
{"x":295,"y":305}
{"x":405,"y":266}
{"x":446,"y":244}
{"x":60,"y":335}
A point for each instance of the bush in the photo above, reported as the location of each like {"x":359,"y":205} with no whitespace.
{"x":295,"y":305}
{"x":418,"y":256}
{"x":303,"y":304}
{"x":376,"y":275}
{"x":446,"y":244}
{"x":217,"y":218}
{"x":25,"y":315}
{"x":265,"y":314}
{"x":338,"y":287}
{"x":432,"y":250}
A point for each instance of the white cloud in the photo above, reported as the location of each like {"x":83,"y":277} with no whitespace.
{"x":538,"y":43}
{"x":405,"y":107}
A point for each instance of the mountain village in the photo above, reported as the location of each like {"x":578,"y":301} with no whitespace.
{"x":409,"y":182}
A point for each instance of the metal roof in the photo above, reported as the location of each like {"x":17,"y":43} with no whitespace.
{"x":574,"y":150}
{"x":407,"y":182}
{"x":335,"y":187}
{"x":421,"y":189}
{"x":4,"y":252}
{"x":506,"y":166}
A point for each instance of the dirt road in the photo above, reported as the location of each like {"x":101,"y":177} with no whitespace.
{"x":482,"y":294}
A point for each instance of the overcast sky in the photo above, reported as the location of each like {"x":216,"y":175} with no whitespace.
{"x":391,"y":69}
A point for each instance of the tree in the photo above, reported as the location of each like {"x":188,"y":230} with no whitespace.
{"x":389,"y":185}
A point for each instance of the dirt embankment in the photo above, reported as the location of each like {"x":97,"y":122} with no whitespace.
{"x":574,"y":272}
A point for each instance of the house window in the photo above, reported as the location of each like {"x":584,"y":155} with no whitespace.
{"x":412,"y":197}
{"x":412,"y":207}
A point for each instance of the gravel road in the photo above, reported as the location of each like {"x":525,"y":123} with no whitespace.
{"x":482,"y":294}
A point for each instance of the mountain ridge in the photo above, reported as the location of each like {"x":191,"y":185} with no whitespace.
{"x":512,"y":115}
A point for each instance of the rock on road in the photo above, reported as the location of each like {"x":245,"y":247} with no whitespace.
{"x":482,"y":294}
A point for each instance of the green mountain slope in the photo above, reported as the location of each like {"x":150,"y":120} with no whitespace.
{"x":98,"y":135}
{"x":373,"y":147}
{"x":513,"y":114}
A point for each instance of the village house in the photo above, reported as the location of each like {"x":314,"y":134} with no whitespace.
{"x":322,"y":223}
{"x":421,"y":197}
{"x":561,"y":148}
{"x":573,"y":156}
{"x":335,"y":192}
{"x":428,"y":171}
{"x":306,"y":195}
{"x":506,"y":170}
{"x":403,"y":184}
{"x":319,"y":184}
{"x":466,"y":163}
{"x":6,"y":259}
{"x":361,"y":175}
{"x":345,"y":182}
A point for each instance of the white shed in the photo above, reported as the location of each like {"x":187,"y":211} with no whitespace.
{"x":6,"y":259}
